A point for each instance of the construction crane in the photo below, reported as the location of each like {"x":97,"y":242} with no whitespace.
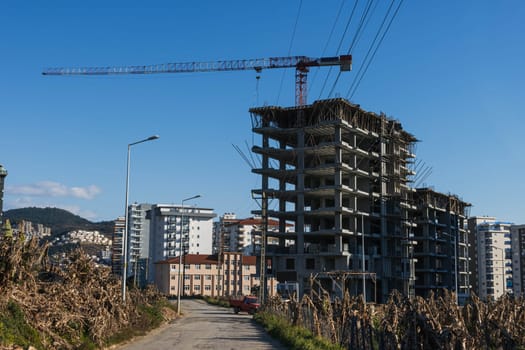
{"x":302,"y":66}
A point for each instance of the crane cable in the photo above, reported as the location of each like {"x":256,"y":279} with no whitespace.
{"x":350,"y":95}
{"x":289,"y":49}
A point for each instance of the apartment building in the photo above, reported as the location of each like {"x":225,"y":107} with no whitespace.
{"x":517,"y":233}
{"x":205,"y":275}
{"x":32,"y":230}
{"x":174,"y":225}
{"x":116,"y":246}
{"x":441,"y":253}
{"x":138,"y":242}
{"x":3,"y":174}
{"x":221,"y":232}
{"x":338,"y":175}
{"x":491,"y":253}
{"x":243,"y":235}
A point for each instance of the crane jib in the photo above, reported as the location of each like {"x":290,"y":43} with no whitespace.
{"x":300,"y":63}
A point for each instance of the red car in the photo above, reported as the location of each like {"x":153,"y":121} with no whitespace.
{"x":248,"y":304}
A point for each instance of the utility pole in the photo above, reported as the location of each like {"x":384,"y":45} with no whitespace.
{"x":262,"y":281}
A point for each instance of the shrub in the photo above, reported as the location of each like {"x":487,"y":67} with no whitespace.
{"x":297,"y":338}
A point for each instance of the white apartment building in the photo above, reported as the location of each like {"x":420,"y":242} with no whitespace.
{"x":492,"y":259}
{"x":138,"y":242}
{"x":244,"y":235}
{"x":172,"y":225}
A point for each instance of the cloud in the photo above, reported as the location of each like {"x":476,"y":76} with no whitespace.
{"x":54,"y":189}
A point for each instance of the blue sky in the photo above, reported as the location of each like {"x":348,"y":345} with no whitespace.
{"x":451,"y":71}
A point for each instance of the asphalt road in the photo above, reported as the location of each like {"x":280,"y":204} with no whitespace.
{"x":205,"y":326}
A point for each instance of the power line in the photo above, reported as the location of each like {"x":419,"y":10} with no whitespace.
{"x":360,"y":27}
{"x":328,"y":41}
{"x":290,"y":49}
{"x":339,"y":47}
{"x":350,"y":95}
{"x":365,"y":60}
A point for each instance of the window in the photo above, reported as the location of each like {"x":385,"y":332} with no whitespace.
{"x":187,"y":277}
{"x":247,"y":267}
{"x":197,"y":287}
{"x":290,"y":264}
{"x":186,"y":266}
{"x":186,"y":288}
{"x":208,"y":277}
{"x":207,"y":287}
{"x":246,"y":278}
{"x":310,"y":264}
{"x":173,"y":277}
{"x":208,"y":266}
{"x":197,"y":277}
{"x":197,"y":266}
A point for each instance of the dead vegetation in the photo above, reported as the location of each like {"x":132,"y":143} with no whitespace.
{"x":70,"y":304}
{"x":432,"y":323}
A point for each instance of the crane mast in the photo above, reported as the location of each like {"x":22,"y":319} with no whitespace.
{"x":302,"y":66}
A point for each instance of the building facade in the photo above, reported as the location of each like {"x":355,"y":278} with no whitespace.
{"x":221,"y":233}
{"x":138,"y":242}
{"x":517,"y":233}
{"x":205,"y":275}
{"x":491,"y":254}
{"x":340,"y":176}
{"x":175,"y":229}
{"x":243,"y":235}
{"x":441,"y":251}
{"x":116,"y":246}
{"x":3,"y":174}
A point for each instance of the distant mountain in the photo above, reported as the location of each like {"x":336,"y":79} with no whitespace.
{"x":59,"y":220}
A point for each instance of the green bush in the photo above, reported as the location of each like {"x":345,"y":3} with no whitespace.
{"x":150,"y":317}
{"x":217,"y":301}
{"x":15,"y":330}
{"x":296,"y":338}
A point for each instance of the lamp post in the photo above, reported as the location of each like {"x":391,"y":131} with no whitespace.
{"x":125,"y":233}
{"x":180,"y":282}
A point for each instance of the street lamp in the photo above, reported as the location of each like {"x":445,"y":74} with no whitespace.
{"x":125,"y":233}
{"x":180,"y":284}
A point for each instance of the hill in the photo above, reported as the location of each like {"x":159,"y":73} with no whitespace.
{"x":59,"y":220}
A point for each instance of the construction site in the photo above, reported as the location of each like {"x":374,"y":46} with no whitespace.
{"x":340,"y":175}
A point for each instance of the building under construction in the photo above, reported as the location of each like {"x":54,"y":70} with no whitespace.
{"x":340,"y":176}
{"x":442,"y":244}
